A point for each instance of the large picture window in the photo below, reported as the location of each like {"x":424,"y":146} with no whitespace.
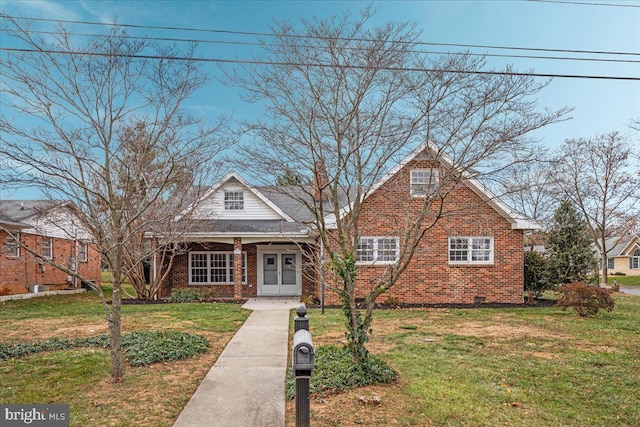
{"x":378,"y":250}
{"x":471,"y":250}
{"x":214,"y":268}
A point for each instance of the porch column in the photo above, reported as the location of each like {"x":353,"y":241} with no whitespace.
{"x":237,"y":268}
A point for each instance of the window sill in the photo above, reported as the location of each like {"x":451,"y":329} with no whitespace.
{"x":471,"y":264}
{"x":375,"y":263}
{"x":215,"y":284}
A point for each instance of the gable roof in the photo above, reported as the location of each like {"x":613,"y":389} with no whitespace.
{"x":19,"y":210}
{"x":231,"y":176}
{"x":620,"y":245}
{"x":518,"y":221}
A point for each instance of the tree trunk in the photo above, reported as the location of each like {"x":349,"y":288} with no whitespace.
{"x":115,"y":330}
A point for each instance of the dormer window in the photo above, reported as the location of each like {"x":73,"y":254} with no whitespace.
{"x":233,"y":200}
{"x":423,"y":182}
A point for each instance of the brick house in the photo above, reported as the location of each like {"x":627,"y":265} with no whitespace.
{"x":54,"y":231}
{"x":257,"y":241}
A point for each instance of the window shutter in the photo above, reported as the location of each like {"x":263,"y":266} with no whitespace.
{"x":630,"y":263}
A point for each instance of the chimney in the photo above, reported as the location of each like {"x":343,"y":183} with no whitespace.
{"x":319,"y":180}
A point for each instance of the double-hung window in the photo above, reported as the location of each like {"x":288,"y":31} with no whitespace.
{"x":47,"y":247}
{"x":471,"y":250}
{"x":382,"y":250}
{"x":82,"y":252}
{"x":11,"y":246}
{"x":214,"y":268}
{"x":634,"y":261}
{"x":233,"y":200}
{"x":423,"y":182}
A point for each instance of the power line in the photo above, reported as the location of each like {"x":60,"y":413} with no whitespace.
{"x":261,"y":34}
{"x":584,"y":3}
{"x":427,"y":52}
{"x":319,"y":65}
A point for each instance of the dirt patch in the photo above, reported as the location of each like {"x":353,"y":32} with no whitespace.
{"x":41,"y":329}
{"x":155,"y":386}
{"x":370,"y":406}
{"x":470,"y":328}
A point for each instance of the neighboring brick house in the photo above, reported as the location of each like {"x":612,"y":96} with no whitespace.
{"x":473,"y":257}
{"x":54,"y":231}
{"x":623,"y":255}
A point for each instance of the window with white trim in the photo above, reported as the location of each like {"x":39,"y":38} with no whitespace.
{"x":423,"y":182}
{"x":82,"y":252}
{"x":471,"y":250}
{"x":634,"y":261}
{"x":47,"y":247}
{"x":11,"y":246}
{"x":610,"y":264}
{"x":214,"y":268}
{"x":233,"y":200}
{"x":378,"y":250}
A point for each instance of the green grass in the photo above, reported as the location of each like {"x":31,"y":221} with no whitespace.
{"x":624,"y":280}
{"x":513,"y":367}
{"x":150,"y":395}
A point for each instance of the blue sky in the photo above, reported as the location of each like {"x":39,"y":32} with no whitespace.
{"x":600,"y":105}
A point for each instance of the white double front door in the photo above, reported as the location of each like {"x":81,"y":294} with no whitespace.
{"x":279,"y":271}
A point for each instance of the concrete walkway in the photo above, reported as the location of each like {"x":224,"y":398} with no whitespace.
{"x":245,"y":387}
{"x":630,"y":290}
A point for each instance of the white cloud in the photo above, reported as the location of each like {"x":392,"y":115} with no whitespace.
{"x":42,"y":8}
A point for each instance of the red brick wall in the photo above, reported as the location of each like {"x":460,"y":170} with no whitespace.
{"x":17,"y":274}
{"x":430,"y":279}
{"x":179,"y":275}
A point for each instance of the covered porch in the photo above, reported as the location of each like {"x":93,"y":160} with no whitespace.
{"x":245,"y":266}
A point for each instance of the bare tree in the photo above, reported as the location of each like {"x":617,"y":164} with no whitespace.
{"x":102,"y":123}
{"x":596,"y":175}
{"x":343,"y":102}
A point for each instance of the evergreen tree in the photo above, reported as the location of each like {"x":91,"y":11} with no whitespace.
{"x":572,"y":256}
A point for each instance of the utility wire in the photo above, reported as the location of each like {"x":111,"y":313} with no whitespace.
{"x":318,"y":65}
{"x":260,"y":34}
{"x":584,"y":3}
{"x":426,"y":52}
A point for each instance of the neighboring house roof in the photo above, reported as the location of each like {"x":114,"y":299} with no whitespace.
{"x":19,"y":210}
{"x":56,"y":218}
{"x":620,"y":245}
{"x":518,"y":221}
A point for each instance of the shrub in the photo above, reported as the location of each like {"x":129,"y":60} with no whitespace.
{"x":335,"y":372}
{"x":146,"y":347}
{"x":618,"y":273}
{"x":184,"y":295}
{"x":141,"y":347}
{"x":586,"y":300}
{"x":536,"y":274}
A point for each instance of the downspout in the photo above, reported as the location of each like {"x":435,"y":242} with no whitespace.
{"x":155,"y":266}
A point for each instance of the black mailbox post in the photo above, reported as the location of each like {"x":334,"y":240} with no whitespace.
{"x":302,"y":365}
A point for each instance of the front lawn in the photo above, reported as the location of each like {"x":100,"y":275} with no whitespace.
{"x":150,"y":395}
{"x":624,"y":280}
{"x":489,"y":367}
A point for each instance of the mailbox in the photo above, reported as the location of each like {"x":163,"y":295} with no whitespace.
{"x":302,"y":364}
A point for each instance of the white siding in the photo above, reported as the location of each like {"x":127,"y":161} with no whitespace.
{"x":59,"y":223}
{"x":254,"y":207}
